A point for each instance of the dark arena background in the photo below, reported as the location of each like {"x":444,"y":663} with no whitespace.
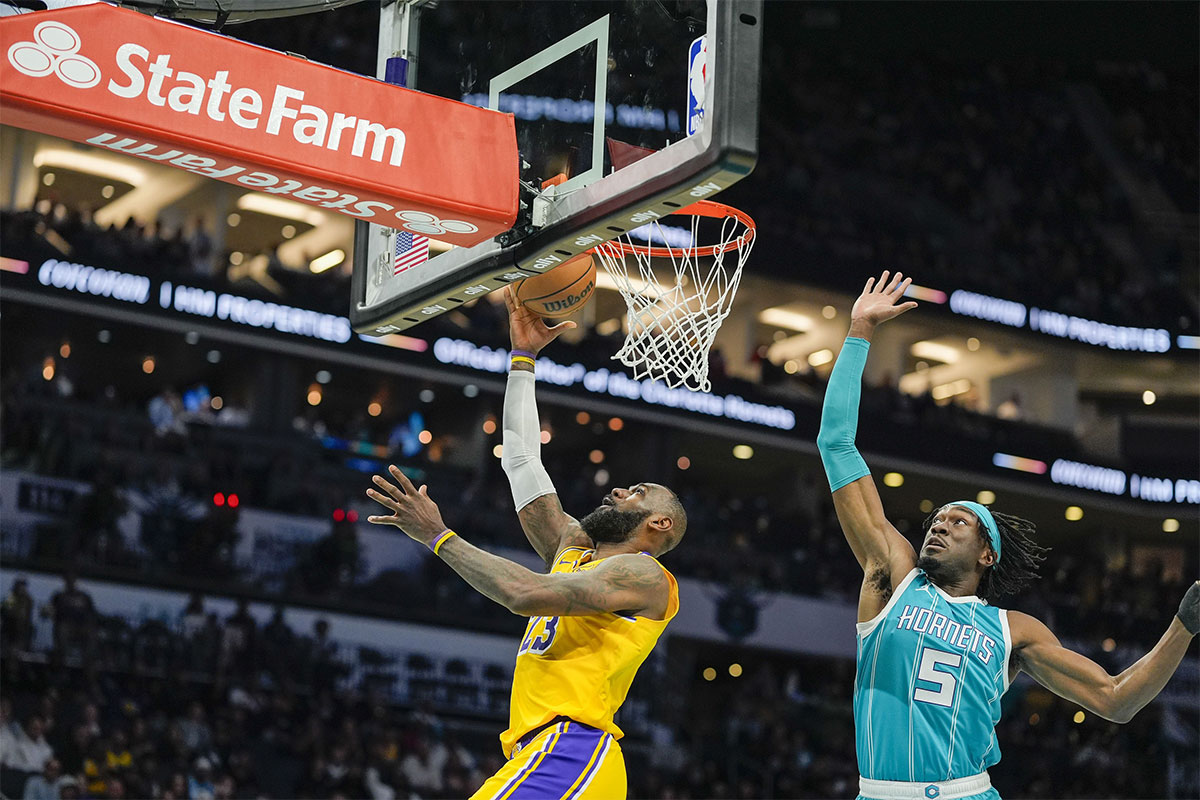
{"x":194,"y":605}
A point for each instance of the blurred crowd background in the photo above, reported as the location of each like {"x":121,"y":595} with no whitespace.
{"x":207,"y":706}
{"x":194,"y":607}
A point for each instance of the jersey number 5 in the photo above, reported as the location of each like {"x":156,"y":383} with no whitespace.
{"x":947,"y":682}
{"x":540,"y":635}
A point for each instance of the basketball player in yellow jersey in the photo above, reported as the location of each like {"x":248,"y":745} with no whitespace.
{"x":594,"y":616}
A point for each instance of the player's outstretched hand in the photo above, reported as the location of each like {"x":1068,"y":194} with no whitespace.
{"x":878,"y":301}
{"x":527,"y":330}
{"x":1189,"y":609}
{"x":412,"y":509}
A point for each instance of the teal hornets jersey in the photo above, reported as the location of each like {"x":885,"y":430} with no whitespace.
{"x":931,"y":671}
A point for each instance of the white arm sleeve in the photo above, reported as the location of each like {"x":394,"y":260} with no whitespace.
{"x":522,"y":441}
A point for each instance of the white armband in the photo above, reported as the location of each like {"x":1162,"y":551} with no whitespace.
{"x":522,"y":441}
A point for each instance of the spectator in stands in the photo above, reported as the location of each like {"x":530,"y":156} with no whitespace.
{"x":115,"y":790}
{"x":336,"y":773}
{"x":237,"y":639}
{"x":322,"y":655}
{"x":208,"y":550}
{"x":91,"y":720}
{"x":96,"y":775}
{"x":241,"y":772}
{"x":74,"y":617}
{"x":16,"y":617}
{"x":460,"y":770}
{"x":194,"y":732}
{"x":278,"y":644}
{"x":375,"y":784}
{"x":199,"y":783}
{"x":144,"y":778}
{"x":422,"y":767}
{"x":194,"y":617}
{"x":74,"y":750}
{"x":24,"y":752}
{"x":44,"y":786}
{"x":68,"y":788}
{"x":118,"y":760}
{"x":176,"y":787}
{"x":201,"y":249}
{"x":201,"y":635}
{"x":95,"y":520}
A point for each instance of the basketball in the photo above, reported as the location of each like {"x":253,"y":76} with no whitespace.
{"x":562,"y":291}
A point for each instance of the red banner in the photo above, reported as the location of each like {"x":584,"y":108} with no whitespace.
{"x":124,"y":81}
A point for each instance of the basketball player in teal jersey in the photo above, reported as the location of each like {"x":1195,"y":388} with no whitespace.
{"x":934,"y":654}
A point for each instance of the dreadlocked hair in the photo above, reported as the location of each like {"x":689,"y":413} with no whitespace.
{"x":1022,"y":556}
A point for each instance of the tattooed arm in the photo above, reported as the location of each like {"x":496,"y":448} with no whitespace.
{"x":630,"y":584}
{"x":550,"y":529}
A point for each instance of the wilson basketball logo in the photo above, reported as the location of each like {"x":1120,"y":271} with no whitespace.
{"x":570,"y":301}
{"x":55,"y":48}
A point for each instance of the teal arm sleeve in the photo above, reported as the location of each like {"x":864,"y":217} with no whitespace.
{"x":839,"y":416}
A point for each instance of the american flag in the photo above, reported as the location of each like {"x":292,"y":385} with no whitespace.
{"x":412,"y":249}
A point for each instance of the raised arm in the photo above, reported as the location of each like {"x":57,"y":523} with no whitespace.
{"x":1077,"y":678}
{"x":546,"y":525}
{"x":633,"y":585}
{"x":885,"y":556}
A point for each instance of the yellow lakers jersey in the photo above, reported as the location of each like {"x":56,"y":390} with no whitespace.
{"x":579,"y":666}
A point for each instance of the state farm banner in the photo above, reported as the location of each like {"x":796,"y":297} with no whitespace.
{"x":162,"y":91}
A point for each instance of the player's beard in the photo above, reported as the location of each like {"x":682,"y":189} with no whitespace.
{"x":608,"y":524}
{"x":941,"y":573}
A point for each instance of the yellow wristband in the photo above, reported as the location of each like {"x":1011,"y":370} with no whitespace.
{"x":524,"y":359}
{"x":441,"y":540}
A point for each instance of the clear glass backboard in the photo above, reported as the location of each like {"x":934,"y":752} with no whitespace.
{"x":625,"y":110}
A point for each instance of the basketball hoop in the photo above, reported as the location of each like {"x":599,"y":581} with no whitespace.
{"x":672,"y":323}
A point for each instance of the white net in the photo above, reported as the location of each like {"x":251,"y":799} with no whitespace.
{"x":677,"y":297}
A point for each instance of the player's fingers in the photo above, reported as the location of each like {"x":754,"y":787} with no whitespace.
{"x":387,"y":487}
{"x":511,"y":301}
{"x":909,"y":306}
{"x":883,"y":279}
{"x":562,"y":327}
{"x":399,"y":475}
{"x":896,"y":279}
{"x":381,"y":520}
{"x":383,"y":500}
{"x":901,"y":288}
{"x":424,"y":490}
{"x":870,"y":283}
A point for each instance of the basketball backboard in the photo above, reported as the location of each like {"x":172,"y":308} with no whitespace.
{"x":625,"y":111}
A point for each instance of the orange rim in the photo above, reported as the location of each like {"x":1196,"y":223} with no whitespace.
{"x":701,"y":208}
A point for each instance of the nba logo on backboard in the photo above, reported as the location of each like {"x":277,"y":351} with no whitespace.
{"x":697,"y":77}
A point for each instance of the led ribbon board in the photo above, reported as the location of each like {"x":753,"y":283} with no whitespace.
{"x":262,"y":120}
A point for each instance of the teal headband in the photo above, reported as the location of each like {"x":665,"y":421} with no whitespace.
{"x":986,"y":518}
